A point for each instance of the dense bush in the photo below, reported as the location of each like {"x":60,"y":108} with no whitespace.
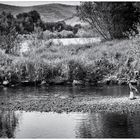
{"x":76,"y":70}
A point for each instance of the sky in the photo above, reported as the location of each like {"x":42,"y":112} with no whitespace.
{"x":31,"y":3}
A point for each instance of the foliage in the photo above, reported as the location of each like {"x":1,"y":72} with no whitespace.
{"x":46,"y":62}
{"x":8,"y":32}
{"x":62,"y":34}
{"x":7,"y":23}
{"x":76,"y":70}
{"x":113,"y":20}
{"x":27,"y":22}
{"x":60,"y":26}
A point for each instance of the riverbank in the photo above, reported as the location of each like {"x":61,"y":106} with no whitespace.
{"x":63,"y":103}
{"x":111,"y":62}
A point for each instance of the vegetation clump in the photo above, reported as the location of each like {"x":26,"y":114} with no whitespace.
{"x":113,"y":20}
{"x":112,"y":60}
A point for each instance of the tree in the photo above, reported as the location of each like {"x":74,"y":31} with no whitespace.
{"x":7,"y":23}
{"x":35,"y":16}
{"x":8,"y":32}
{"x":113,"y":20}
{"x":26,"y":22}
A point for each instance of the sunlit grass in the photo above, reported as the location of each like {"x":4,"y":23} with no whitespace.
{"x":88,"y":62}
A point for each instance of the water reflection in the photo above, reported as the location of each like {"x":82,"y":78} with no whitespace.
{"x":8,"y":123}
{"x":72,"y":91}
{"x":91,"y":127}
{"x":47,"y":125}
{"x":20,"y":124}
{"x":110,"y":125}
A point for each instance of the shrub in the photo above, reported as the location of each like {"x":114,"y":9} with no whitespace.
{"x":76,"y":70}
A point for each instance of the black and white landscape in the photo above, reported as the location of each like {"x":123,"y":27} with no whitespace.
{"x":69,"y":69}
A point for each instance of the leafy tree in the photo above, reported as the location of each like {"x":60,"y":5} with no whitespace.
{"x":35,"y":16}
{"x":113,"y":20}
{"x":26,"y":22}
{"x":7,"y":23}
{"x":8,"y":32}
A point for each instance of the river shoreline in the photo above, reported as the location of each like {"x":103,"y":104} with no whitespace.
{"x":62,"y":82}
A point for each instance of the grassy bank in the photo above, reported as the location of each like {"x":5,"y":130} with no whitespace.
{"x":107,"y":62}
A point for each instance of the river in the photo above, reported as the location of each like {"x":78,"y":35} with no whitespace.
{"x":35,"y":124}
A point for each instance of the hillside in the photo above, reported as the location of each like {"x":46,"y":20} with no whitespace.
{"x":48,"y":12}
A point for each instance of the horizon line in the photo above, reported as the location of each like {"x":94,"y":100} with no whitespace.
{"x":37,"y":3}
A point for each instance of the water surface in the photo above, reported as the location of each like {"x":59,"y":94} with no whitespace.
{"x":21,"y":124}
{"x":115,"y":91}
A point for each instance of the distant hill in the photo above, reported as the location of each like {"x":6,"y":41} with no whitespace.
{"x":48,"y":12}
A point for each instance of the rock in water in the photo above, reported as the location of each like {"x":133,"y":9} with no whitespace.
{"x":76,"y":82}
{"x":5,"y":83}
{"x":131,"y":96}
{"x":43,"y":82}
{"x":63,"y":97}
{"x":56,"y":95}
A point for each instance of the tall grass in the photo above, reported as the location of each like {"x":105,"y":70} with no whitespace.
{"x":87,"y":63}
